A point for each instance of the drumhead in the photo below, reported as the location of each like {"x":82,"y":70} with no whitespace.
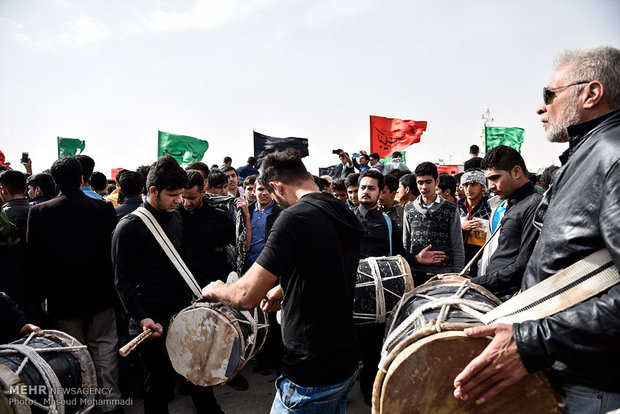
{"x":205,"y":345}
{"x":420,"y":380}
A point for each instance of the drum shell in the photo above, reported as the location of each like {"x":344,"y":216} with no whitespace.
{"x":74,"y":369}
{"x":392,"y":275}
{"x":209,"y":343}
{"x":427,"y":358}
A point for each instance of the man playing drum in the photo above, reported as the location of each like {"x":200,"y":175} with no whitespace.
{"x":578,"y":345}
{"x":150,"y":287}
{"x":321,"y":355}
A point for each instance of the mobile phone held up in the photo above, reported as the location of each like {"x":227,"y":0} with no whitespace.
{"x":336,"y":151}
{"x":24,"y":159}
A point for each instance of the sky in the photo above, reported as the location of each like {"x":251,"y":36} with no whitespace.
{"x":113,"y":73}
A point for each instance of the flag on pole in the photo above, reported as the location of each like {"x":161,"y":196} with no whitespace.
{"x":391,"y":134}
{"x":512,"y":137}
{"x":264,"y":144}
{"x":403,"y":157}
{"x":68,"y":147}
{"x":183,"y":148}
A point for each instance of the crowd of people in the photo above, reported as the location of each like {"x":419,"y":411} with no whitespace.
{"x":76,"y":257}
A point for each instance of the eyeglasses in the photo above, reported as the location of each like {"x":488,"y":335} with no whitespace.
{"x":550,"y":94}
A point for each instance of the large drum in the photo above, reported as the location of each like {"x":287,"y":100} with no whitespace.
{"x":381,"y":282}
{"x":50,"y":372}
{"x":209,"y":343}
{"x":425,"y":349}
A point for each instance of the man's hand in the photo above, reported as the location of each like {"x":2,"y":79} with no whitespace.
{"x":209,"y":292}
{"x":496,"y":368}
{"x":148,"y":323}
{"x":472,"y":224}
{"x":428,"y":257}
{"x":28,"y":166}
{"x":273,"y":300}
{"x":242,"y":204}
{"x":452,"y":277}
{"x":27,"y":328}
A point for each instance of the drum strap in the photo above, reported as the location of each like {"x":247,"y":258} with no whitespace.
{"x":168,"y":248}
{"x":588,"y":277}
{"x":389,"y":224}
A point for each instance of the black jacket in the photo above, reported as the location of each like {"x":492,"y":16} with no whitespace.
{"x":581,"y":214}
{"x":12,"y":319}
{"x":17,"y":212}
{"x":130,"y":203}
{"x":517,"y":239}
{"x":69,"y":239}
{"x":146,"y":280}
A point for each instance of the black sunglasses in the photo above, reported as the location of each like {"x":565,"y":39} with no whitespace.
{"x":550,"y":94}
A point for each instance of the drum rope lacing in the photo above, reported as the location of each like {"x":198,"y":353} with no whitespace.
{"x":56,"y":394}
{"x":380,"y":314}
{"x":445,"y":304}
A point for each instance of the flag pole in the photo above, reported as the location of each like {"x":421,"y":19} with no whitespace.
{"x":488,"y":121}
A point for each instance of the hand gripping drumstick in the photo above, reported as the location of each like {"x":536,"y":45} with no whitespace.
{"x":131,"y":345}
{"x":465,"y":270}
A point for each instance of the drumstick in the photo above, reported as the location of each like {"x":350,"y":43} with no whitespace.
{"x":473,"y":260}
{"x":131,"y":345}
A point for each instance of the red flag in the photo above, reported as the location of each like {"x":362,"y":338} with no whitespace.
{"x":114,"y":172}
{"x":391,"y":134}
{"x":449,"y":169}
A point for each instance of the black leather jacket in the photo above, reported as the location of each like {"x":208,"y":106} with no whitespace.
{"x":581,"y":214}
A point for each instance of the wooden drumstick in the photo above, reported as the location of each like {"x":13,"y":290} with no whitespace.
{"x":131,"y":345}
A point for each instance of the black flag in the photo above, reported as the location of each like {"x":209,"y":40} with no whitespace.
{"x":264,"y":144}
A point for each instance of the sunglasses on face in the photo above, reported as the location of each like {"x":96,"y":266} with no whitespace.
{"x":550,"y":94}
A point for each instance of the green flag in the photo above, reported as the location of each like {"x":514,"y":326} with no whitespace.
{"x":68,"y":147}
{"x":389,"y":158}
{"x":183,"y":148}
{"x":512,"y":137}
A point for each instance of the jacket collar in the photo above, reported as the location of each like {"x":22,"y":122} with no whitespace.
{"x":578,"y":133}
{"x":522,"y":192}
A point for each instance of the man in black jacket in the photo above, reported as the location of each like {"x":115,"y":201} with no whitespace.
{"x":580,"y":344}
{"x":70,"y":238}
{"x":151,"y":288}
{"x":505,"y":169}
{"x":321,"y":359}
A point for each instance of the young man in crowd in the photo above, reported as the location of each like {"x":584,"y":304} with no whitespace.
{"x":395,"y":163}
{"x":149,"y":285}
{"x":73,"y":270}
{"x":431,"y":220}
{"x":233,"y":182}
{"x":474,"y":160}
{"x":88,"y":165}
{"x":505,"y":169}
{"x":407,"y":189}
{"x":475,"y":213}
{"x":321,"y":361}
{"x":339,"y":190}
{"x":351,"y":182}
{"x":248,"y":169}
{"x":41,"y":188}
{"x":387,"y":203}
{"x":375,"y":162}
{"x":130,"y":191}
{"x":249,"y":185}
{"x":446,"y":187}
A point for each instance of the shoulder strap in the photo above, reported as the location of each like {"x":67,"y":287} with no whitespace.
{"x":388,"y":220}
{"x":580,"y":281}
{"x":168,"y":248}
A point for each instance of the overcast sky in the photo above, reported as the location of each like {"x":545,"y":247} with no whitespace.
{"x":115,"y":72}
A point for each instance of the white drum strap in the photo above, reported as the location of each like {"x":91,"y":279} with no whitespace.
{"x":380,"y":302}
{"x":588,"y":277}
{"x":168,"y":248}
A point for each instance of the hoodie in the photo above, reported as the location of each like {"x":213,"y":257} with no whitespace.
{"x":314,"y":250}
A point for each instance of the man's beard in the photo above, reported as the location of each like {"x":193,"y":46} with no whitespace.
{"x":557,"y":131}
{"x":368,"y":203}
{"x":281,"y":202}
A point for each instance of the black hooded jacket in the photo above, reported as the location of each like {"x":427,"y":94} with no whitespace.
{"x":314,"y":249}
